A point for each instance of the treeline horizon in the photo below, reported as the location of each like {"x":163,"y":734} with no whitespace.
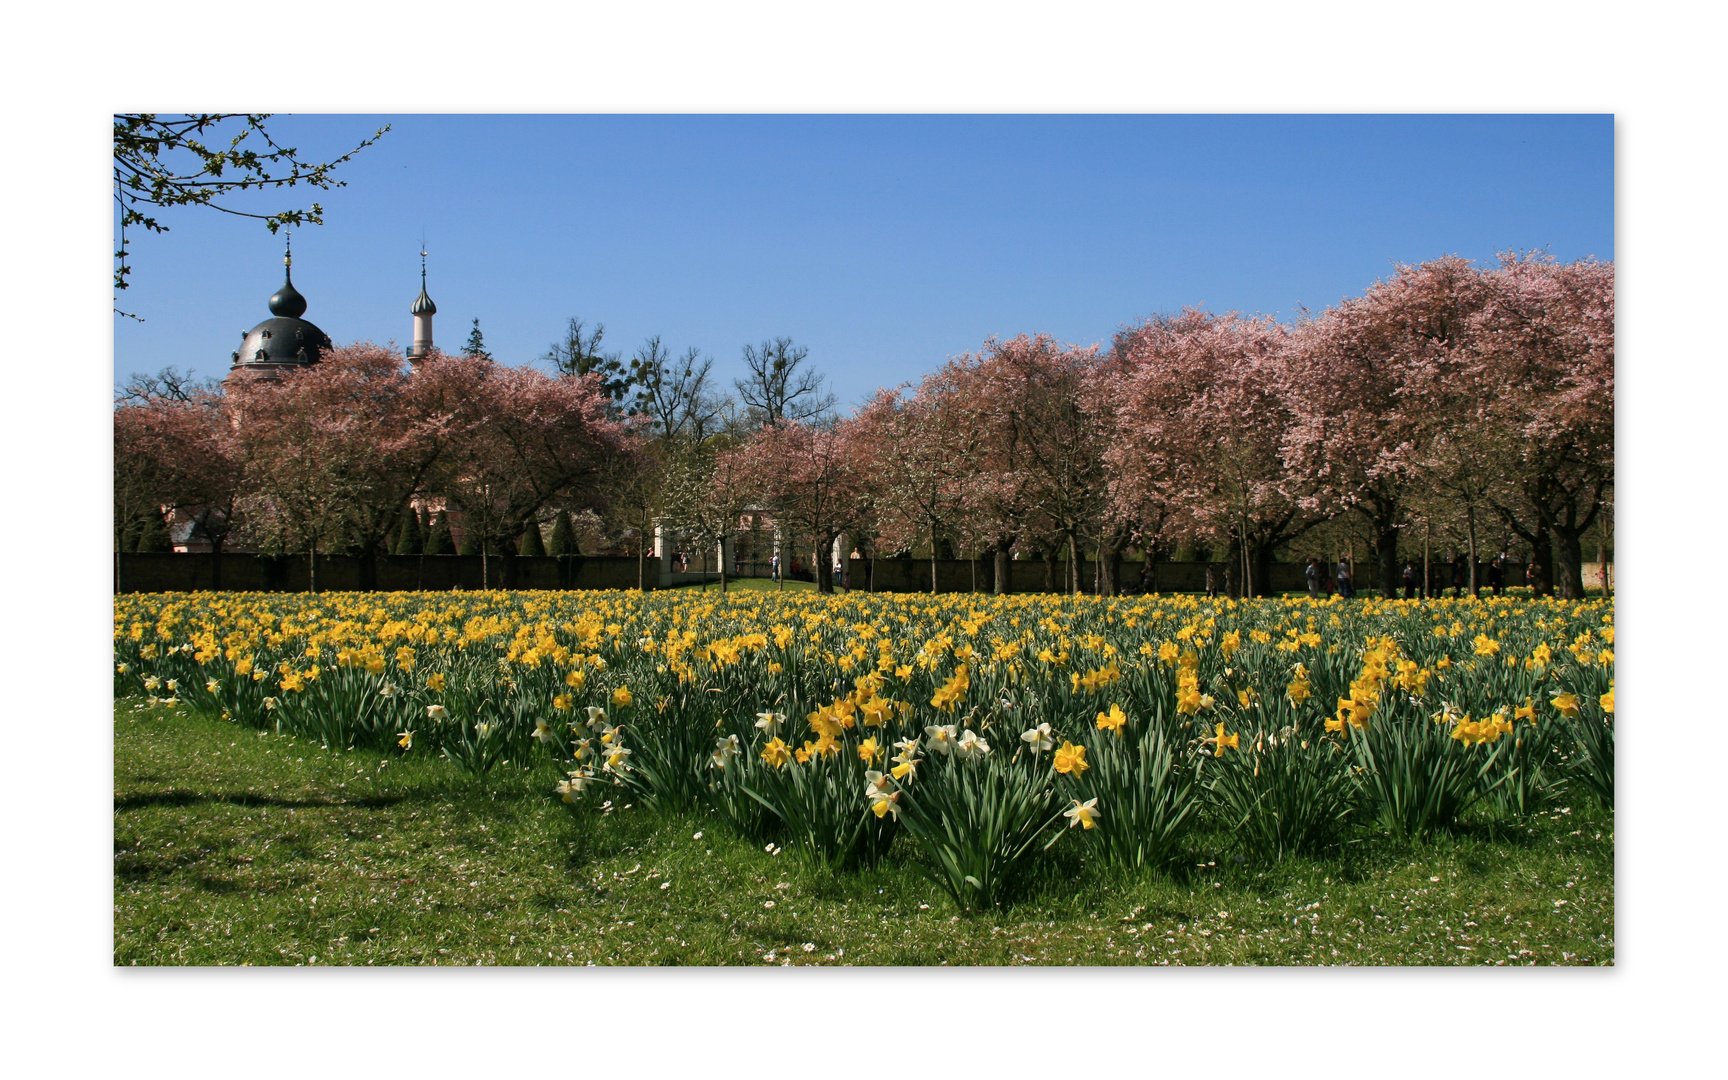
{"x":1449,"y":407}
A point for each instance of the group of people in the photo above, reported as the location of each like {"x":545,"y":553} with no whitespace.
{"x":1413,"y":584}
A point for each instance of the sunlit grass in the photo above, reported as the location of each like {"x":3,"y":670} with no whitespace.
{"x":234,"y":846}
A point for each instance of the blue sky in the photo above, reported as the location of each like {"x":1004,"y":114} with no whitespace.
{"x":883,"y":243}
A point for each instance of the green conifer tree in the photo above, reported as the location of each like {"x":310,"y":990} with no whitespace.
{"x":476,"y":344}
{"x":563,"y":536}
{"x":532,"y":546}
{"x":154,"y":536}
{"x":438,"y":543}
{"x":470,"y":544}
{"x":411,"y":541}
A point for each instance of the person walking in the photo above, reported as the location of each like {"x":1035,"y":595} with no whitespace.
{"x":1497,"y":574}
{"x":1409,"y":581}
{"x":774,"y":568}
{"x":1344,"y":589}
{"x":1211,"y":582}
{"x":1312,"y":573}
{"x":1458,"y":576}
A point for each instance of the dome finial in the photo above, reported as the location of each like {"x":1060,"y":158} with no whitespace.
{"x":288,"y":302}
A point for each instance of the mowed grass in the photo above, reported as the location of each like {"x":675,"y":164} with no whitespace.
{"x":233,"y":846}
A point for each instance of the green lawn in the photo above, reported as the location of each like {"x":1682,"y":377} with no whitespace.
{"x":233,"y":846}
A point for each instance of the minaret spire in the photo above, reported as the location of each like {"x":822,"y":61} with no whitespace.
{"x":423,"y":309}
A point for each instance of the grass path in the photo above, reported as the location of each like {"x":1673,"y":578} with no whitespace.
{"x":233,"y":846}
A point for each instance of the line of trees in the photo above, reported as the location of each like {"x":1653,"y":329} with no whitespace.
{"x":1466,"y":407}
{"x":1473,"y":406}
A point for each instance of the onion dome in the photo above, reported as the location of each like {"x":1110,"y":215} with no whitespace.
{"x":285,"y":341}
{"x":423,"y":304}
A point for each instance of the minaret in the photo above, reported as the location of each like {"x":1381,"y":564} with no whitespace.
{"x":423,"y":310}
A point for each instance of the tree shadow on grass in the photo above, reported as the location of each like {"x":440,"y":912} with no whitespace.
{"x":141,"y":800}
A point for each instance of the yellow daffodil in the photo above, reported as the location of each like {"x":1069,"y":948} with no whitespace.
{"x":1113,"y":720}
{"x":1221,"y":741}
{"x":621,"y":696}
{"x":869,"y":752}
{"x":1567,"y":703}
{"x":776,"y":753}
{"x":405,"y":740}
{"x":1071,"y":759}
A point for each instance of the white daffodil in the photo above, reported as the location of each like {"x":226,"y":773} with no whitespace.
{"x":1082,"y":813}
{"x":769,"y":722}
{"x":151,"y":682}
{"x":271,"y":703}
{"x":542,"y":731}
{"x":173,"y":686}
{"x":725,"y":750}
{"x":609,"y":735}
{"x":907,"y":748}
{"x":1039,"y":738}
{"x":584,"y":747}
{"x":483,"y":730}
{"x":970,"y":747}
{"x":436,"y":712}
{"x":572,"y":787}
{"x":122,"y":668}
{"x":1206,"y":701}
{"x":941,"y":738}
{"x":211,"y":686}
{"x":617,"y":760}
{"x":389,"y":690}
{"x":875,"y":784}
{"x":596,"y":718}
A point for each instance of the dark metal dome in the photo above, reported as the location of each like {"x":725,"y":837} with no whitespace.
{"x":285,"y":341}
{"x":282,"y":342}
{"x":423,"y":304}
{"x":288,"y":302}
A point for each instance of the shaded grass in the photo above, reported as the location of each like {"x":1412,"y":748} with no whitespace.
{"x":233,"y":846}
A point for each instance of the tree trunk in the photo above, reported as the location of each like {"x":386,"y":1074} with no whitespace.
{"x":1427,"y":538}
{"x":1073,"y":565}
{"x":1386,"y":554}
{"x":1049,"y":555}
{"x":824,"y":569}
{"x":1541,"y":569}
{"x":1003,"y":569}
{"x":932,"y":558}
{"x":1470,"y":541}
{"x":1109,"y":569}
{"x":1569,"y":557}
{"x":312,"y":569}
